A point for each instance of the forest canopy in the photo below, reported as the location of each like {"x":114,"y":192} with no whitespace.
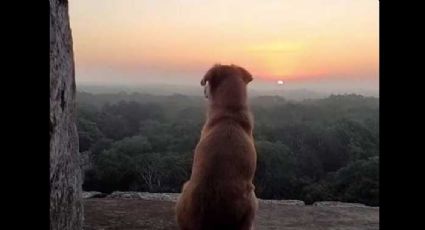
{"x":311,"y":150}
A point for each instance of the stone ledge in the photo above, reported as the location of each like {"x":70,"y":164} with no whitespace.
{"x":174,"y":196}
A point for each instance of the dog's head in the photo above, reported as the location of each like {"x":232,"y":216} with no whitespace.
{"x":225,"y":77}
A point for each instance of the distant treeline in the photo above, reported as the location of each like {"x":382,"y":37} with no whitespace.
{"x":314,"y":150}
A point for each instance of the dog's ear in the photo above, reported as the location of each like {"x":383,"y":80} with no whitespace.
{"x":246,"y":76}
{"x":206,"y":78}
{"x":209,"y":75}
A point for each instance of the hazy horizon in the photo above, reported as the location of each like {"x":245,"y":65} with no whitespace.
{"x":324,"y":45}
{"x":197,"y":90}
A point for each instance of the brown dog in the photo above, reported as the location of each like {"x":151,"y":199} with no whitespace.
{"x":220,"y":193}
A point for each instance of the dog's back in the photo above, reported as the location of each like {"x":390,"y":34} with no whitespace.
{"x":220,"y":193}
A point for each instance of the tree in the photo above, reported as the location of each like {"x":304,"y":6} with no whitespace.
{"x":275,"y":170}
{"x":88,"y":133}
{"x":115,"y":167}
{"x":359,"y":182}
{"x":148,"y":169}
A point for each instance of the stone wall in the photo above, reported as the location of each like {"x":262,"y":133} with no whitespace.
{"x":66,"y":210}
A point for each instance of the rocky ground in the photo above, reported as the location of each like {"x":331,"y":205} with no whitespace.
{"x":131,"y":211}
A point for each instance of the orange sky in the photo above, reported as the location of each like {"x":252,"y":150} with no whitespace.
{"x":299,"y":41}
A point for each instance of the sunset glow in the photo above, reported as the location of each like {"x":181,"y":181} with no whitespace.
{"x":291,"y":40}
